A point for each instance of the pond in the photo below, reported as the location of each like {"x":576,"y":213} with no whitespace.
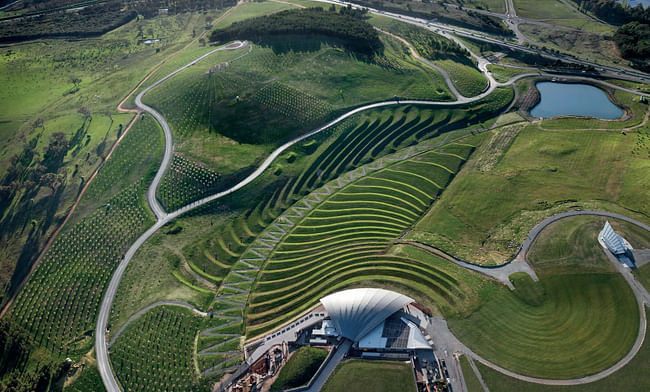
{"x":571,"y":99}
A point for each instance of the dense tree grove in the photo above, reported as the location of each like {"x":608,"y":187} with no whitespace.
{"x":633,"y":40}
{"x":614,"y":12}
{"x":43,"y":19}
{"x":17,"y":372}
{"x":347,"y":26}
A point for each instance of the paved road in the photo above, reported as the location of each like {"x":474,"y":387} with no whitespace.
{"x":335,"y":359}
{"x":163,"y":217}
{"x":157,"y":209}
{"x":439,"y":28}
{"x":446,"y":341}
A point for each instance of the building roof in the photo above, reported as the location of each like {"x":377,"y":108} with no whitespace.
{"x":356,"y":312}
{"x":613,"y":241}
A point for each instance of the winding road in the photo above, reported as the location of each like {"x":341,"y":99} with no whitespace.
{"x":101,"y":346}
{"x":438,"y":326}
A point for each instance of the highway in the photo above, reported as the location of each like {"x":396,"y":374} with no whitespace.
{"x":440,"y":28}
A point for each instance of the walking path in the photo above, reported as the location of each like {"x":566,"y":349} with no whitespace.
{"x":163,"y":217}
{"x":153,"y":305}
{"x":444,"y":337}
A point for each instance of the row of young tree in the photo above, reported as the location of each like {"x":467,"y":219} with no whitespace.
{"x":94,"y":19}
{"x":346,"y":25}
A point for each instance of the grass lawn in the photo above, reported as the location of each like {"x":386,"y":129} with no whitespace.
{"x":471,"y":381}
{"x":532,"y":175}
{"x":643,"y":275}
{"x":571,"y":326}
{"x":300,"y":368}
{"x":573,"y":244}
{"x":376,"y":376}
{"x":634,"y":377}
{"x":580,"y":318}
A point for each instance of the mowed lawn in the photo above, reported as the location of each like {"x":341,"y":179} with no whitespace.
{"x":581,"y":318}
{"x":488,"y":210}
{"x":633,"y":377}
{"x":300,"y":368}
{"x":376,"y":376}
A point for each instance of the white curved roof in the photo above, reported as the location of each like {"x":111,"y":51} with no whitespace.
{"x":356,"y":312}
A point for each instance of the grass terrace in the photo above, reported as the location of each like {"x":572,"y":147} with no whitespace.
{"x":345,"y":238}
{"x":380,"y":376}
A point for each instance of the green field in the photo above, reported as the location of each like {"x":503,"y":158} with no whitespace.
{"x":632,"y":377}
{"x":471,"y":381}
{"x":582,"y":309}
{"x":379,"y":376}
{"x":527,"y":175}
{"x":156,"y":351}
{"x":300,"y":368}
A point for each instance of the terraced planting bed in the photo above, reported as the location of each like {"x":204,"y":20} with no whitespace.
{"x":156,"y":351}
{"x":58,"y":304}
{"x":344,"y":239}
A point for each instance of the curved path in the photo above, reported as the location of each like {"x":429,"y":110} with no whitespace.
{"x":144,"y":310}
{"x":439,"y":326}
{"x":103,"y":361}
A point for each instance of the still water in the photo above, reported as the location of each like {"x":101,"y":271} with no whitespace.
{"x":569,"y":99}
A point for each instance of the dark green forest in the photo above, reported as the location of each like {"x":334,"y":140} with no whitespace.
{"x":349,"y":27}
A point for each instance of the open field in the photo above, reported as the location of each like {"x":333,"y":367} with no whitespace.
{"x":58,"y":303}
{"x":535,"y":174}
{"x":557,"y":12}
{"x":157,"y":351}
{"x":300,"y":368}
{"x":586,"y":45}
{"x":633,"y":377}
{"x":571,"y":245}
{"x":379,"y":376}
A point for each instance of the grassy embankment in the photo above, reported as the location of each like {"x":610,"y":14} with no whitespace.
{"x":380,"y":376}
{"x":526,"y":174}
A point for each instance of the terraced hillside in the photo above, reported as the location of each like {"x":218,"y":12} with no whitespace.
{"x":344,"y":239}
